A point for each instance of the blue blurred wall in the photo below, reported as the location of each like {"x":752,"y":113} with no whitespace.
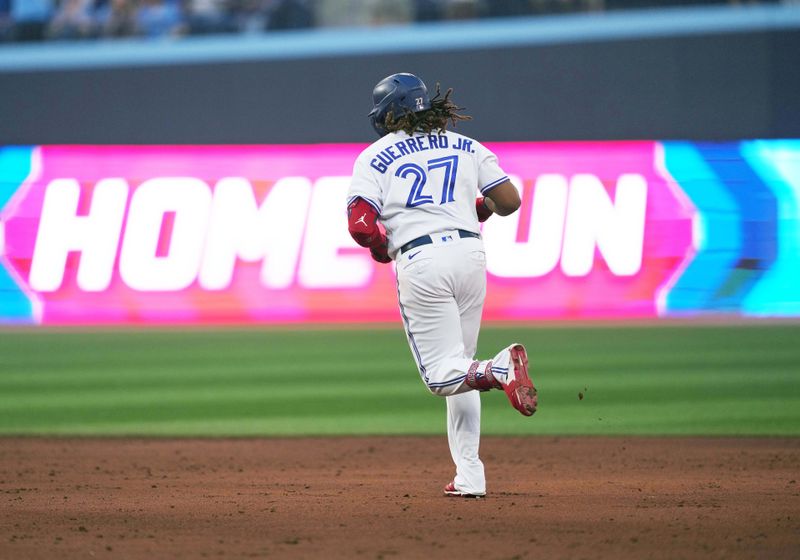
{"x":708,"y":74}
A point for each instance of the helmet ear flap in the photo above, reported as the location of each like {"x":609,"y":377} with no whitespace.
{"x":378,"y":125}
{"x":377,"y":118}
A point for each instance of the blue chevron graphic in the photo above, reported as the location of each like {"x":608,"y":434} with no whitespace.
{"x":777,"y":163}
{"x":758,"y":221}
{"x":719,"y":238}
{"x":15,"y":165}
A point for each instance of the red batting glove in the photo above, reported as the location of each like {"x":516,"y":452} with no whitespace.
{"x":482,"y":209}
{"x":380,"y":252}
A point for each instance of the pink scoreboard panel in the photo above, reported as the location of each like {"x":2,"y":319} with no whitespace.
{"x":240,"y":234}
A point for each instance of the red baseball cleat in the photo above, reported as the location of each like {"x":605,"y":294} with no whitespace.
{"x":519,"y":387}
{"x":450,"y":491}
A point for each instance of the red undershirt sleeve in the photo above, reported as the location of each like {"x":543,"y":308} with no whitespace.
{"x":362,"y":222}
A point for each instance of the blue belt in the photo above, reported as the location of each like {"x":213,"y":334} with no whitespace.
{"x":426,"y":240}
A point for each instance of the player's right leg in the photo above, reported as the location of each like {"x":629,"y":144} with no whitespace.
{"x":463,"y":437}
{"x":464,"y":409}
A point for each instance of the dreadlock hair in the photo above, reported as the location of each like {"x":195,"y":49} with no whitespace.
{"x":441,"y":112}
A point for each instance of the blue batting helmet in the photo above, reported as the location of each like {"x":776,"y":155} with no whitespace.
{"x":398,"y":93}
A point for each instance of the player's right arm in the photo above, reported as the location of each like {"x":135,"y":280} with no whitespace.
{"x":503,"y":199}
{"x":499,"y":195}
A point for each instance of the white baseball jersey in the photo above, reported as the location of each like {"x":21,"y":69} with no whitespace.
{"x":424,"y":183}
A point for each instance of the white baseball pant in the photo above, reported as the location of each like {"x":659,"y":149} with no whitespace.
{"x":441,"y":288}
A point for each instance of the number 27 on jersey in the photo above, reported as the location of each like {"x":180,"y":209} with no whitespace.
{"x":417,"y":196}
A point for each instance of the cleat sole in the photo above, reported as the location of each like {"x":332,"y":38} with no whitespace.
{"x":521,"y":391}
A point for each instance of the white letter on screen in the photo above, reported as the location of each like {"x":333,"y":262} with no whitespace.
{"x":140,"y":266}
{"x":322,"y":265}
{"x":615,"y":228}
{"x":538,"y":255}
{"x":242,"y":229}
{"x":95,"y":236}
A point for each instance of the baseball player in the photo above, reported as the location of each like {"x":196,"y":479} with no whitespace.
{"x":413,"y":200}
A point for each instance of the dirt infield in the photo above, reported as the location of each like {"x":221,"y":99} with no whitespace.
{"x":380,"y":498}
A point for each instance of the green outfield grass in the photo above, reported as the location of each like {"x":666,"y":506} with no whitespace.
{"x":732,"y":380}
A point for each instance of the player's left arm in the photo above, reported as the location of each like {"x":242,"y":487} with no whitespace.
{"x":362,"y":223}
{"x":363,"y":210}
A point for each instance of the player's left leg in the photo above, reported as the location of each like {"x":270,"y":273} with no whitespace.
{"x":432,"y":317}
{"x":507,"y":371}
